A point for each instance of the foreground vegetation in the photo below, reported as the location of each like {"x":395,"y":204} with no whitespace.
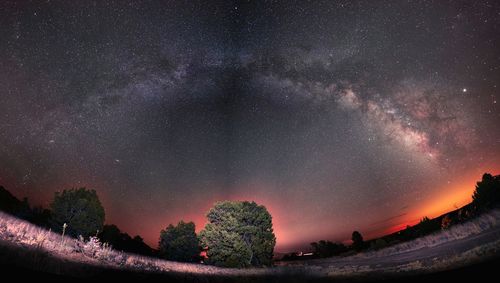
{"x":32,"y":247}
{"x":239,"y":234}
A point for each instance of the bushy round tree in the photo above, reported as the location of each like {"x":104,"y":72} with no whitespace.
{"x":180,"y":242}
{"x":239,"y":234}
{"x":80,"y":209}
{"x":357,"y":241}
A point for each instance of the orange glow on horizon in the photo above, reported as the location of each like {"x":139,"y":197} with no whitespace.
{"x":452,"y":197}
{"x":197,"y":214}
{"x":289,"y":234}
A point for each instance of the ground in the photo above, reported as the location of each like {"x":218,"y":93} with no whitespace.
{"x":28,"y":247}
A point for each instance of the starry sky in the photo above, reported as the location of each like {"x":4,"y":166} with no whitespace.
{"x":336,"y":115}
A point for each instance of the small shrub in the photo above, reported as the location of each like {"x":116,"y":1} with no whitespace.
{"x":104,"y":253}
{"x":92,"y":247}
{"x":446,"y":222}
{"x":118,"y":258}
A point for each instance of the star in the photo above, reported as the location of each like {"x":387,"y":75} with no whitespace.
{"x":195,"y":103}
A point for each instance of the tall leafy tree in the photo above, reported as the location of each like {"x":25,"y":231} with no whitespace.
{"x":487,"y":192}
{"x":80,"y":209}
{"x":180,"y":242}
{"x":239,"y":234}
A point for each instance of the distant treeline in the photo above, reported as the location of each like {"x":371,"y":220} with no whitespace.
{"x":485,"y":197}
{"x":239,"y":234}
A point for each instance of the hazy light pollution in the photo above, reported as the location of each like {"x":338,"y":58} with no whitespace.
{"x":336,"y":115}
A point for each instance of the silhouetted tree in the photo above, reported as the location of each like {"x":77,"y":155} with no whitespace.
{"x":80,"y":209}
{"x":123,"y":242}
{"x":112,"y":235}
{"x":137,"y":246}
{"x":179,"y":243}
{"x":357,"y":241}
{"x":487,"y":192}
{"x":40,"y":216}
{"x":239,"y":234}
{"x":427,"y":226}
{"x":21,"y":208}
{"x":12,"y":205}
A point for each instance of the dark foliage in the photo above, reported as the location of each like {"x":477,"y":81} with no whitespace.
{"x":357,"y":241}
{"x":10,"y":204}
{"x":123,"y":242}
{"x":487,"y":192}
{"x":239,"y":234}
{"x":290,"y":257}
{"x":233,"y":235}
{"x":179,"y":243}
{"x":21,"y":209}
{"x":80,"y":209}
{"x":40,"y":216}
{"x":327,"y":248}
{"x":427,"y":226}
{"x":446,"y":222}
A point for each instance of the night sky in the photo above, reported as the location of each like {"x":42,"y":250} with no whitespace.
{"x":337,"y":116}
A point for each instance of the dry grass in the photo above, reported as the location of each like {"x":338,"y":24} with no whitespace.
{"x":44,"y":244}
{"x":26,"y":235}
